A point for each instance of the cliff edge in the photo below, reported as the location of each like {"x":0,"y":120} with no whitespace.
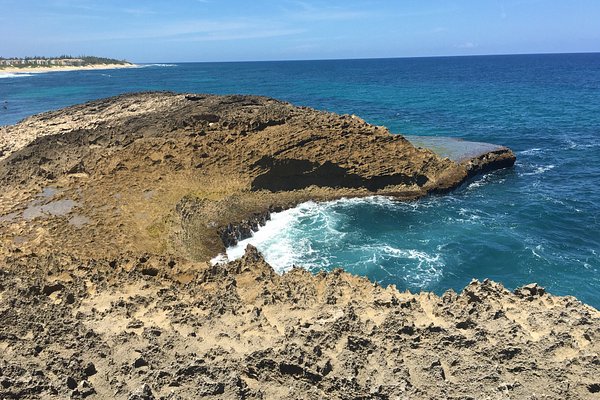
{"x":164,"y":172}
{"x":110,"y":211}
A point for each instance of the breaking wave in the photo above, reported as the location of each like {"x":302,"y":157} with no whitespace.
{"x":13,"y":75}
{"x":323,"y":236}
{"x":155,"y":65}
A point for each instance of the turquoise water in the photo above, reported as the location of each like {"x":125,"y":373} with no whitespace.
{"x":537,"y":222}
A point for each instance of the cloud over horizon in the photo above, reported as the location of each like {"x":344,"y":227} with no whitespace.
{"x":207,"y":30}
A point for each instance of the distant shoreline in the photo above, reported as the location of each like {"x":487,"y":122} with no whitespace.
{"x":39,"y":69}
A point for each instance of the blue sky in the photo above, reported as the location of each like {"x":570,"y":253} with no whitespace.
{"x":237,"y":30}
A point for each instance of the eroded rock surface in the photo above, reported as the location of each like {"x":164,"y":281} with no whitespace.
{"x":109,"y":212}
{"x":133,"y":167}
{"x":164,"y":328}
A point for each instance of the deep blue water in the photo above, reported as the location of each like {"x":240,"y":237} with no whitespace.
{"x":537,"y":222}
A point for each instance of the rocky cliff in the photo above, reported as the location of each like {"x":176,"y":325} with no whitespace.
{"x":110,"y":210}
{"x":159,"y":172}
{"x":154,"y":327}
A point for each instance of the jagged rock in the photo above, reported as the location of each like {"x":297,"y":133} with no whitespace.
{"x":140,"y":362}
{"x":142,"y":393}
{"x":210,"y":388}
{"x":90,"y":369}
{"x":530,"y":291}
{"x":49,"y":289}
{"x":133,"y":149}
{"x":85,"y":389}
{"x":165,"y":180}
{"x":71,"y":383}
{"x":252,"y":254}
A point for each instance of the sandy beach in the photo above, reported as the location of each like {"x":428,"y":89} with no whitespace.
{"x":41,"y":69}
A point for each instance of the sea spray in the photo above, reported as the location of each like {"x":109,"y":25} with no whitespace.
{"x":320,"y":236}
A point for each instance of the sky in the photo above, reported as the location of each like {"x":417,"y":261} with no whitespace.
{"x":241,"y":30}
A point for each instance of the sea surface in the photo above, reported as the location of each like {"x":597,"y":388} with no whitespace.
{"x":538,"y":222}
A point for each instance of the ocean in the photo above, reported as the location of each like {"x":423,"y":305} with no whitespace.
{"x":537,"y":222}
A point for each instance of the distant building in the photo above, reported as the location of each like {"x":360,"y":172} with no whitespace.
{"x":24,"y":62}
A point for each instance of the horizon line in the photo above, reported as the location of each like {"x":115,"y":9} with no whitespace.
{"x":372,"y":58}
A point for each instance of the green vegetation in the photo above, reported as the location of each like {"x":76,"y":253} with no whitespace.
{"x":101,"y":60}
{"x":63,"y":60}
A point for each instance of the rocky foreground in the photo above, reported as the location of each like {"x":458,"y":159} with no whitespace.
{"x":110,"y":210}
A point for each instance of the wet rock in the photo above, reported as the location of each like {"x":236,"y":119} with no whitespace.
{"x":233,"y":233}
{"x":252,"y":254}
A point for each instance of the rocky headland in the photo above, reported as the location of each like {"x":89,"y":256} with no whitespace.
{"x":111,"y":210}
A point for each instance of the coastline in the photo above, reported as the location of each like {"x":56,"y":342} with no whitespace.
{"x":137,"y":191}
{"x":40,"y":70}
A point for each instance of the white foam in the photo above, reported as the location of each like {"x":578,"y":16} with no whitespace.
{"x":530,"y":151}
{"x":429,"y":268}
{"x":572,"y":145}
{"x":484,"y":180}
{"x":373,"y":200}
{"x":274,"y":239}
{"x":219,"y":259}
{"x":287,"y":240}
{"x":283,"y":242}
{"x":155,"y":65}
{"x":15,"y":75}
{"x":476,"y":184}
{"x":539,"y":169}
{"x":469,"y":214}
{"x":537,"y":251}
